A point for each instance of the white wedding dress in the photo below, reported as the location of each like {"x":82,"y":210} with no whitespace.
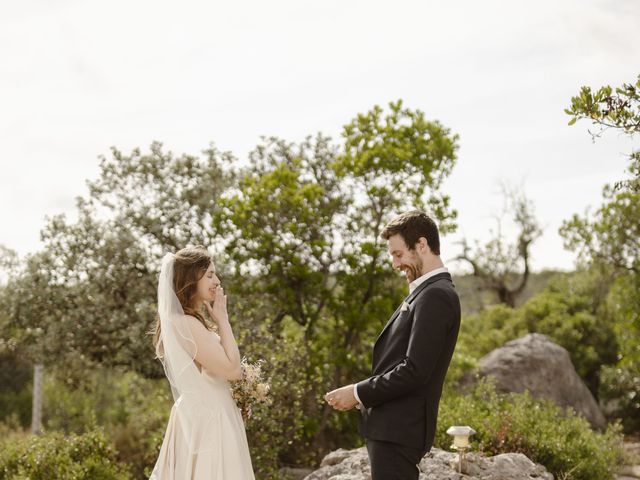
{"x":216,"y":446}
{"x":205,"y":438}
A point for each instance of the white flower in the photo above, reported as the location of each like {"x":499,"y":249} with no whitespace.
{"x":262,"y":389}
{"x":404,"y":307}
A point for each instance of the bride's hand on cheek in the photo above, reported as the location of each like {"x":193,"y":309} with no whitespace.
{"x":218,"y":310}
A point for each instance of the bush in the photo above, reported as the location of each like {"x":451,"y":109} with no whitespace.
{"x":620,"y":394}
{"x":54,"y":455}
{"x":131,"y":410}
{"x":570,"y":310}
{"x":620,"y":384}
{"x":560,"y":440}
{"x":15,"y":385}
{"x":276,"y":430}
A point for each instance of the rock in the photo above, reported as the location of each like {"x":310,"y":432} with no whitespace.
{"x":436,"y":465}
{"x":632,"y":471}
{"x":294,"y":473}
{"x":542,"y":367}
{"x":343,"y":465}
{"x":336,"y":457}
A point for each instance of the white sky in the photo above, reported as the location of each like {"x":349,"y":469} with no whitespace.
{"x":77,"y":77}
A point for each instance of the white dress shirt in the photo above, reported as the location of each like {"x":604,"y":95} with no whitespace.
{"x":412,"y":286}
{"x":420,"y":280}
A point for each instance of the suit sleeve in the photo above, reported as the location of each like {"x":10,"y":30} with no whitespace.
{"x":432,"y":322}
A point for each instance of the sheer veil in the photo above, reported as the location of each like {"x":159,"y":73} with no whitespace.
{"x":177,"y":350}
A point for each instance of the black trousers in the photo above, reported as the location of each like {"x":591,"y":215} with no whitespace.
{"x":391,"y":461}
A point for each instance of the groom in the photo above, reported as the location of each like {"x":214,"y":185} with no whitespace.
{"x":399,"y":402}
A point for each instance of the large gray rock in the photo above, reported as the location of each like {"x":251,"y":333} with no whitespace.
{"x":436,"y":465}
{"x":536,"y":364}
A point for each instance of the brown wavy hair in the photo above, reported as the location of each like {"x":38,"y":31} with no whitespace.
{"x":189,"y":266}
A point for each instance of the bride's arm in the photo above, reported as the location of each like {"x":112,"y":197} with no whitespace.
{"x":220,"y":357}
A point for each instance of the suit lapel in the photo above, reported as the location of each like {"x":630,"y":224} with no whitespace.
{"x":412,"y":296}
{"x":390,"y":321}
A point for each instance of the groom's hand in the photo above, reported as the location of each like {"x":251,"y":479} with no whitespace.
{"x":342,"y":398}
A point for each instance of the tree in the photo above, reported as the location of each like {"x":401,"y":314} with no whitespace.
{"x":91,"y":293}
{"x":617,"y":109}
{"x":504,"y":268}
{"x":8,"y":259}
{"x":611,"y":238}
{"x":296,"y":237}
{"x":608,"y":242}
{"x":305,"y":221}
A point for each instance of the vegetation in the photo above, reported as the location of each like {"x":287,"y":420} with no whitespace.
{"x":295,"y":235}
{"x":561,"y":441}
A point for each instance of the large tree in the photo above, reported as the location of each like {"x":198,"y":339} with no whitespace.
{"x":305,"y":222}
{"x":296,"y":237}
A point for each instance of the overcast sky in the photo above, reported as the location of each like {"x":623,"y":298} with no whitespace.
{"x":77,"y":77}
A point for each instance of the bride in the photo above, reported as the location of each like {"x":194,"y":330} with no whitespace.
{"x":205,"y":437}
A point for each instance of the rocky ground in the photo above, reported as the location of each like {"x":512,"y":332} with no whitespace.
{"x":436,"y":465}
{"x":631,"y":469}
{"x":441,"y":465}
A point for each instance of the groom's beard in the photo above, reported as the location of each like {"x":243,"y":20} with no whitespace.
{"x":413,"y":270}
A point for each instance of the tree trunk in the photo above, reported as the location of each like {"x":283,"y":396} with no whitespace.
{"x":36,"y":413}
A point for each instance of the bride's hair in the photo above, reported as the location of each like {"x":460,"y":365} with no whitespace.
{"x":189,"y":266}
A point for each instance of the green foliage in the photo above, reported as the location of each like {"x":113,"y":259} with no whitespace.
{"x":618,"y":109}
{"x":305,"y":221}
{"x":570,"y":310}
{"x":620,"y":386}
{"x":608,"y":241}
{"x":572,"y":314}
{"x":54,"y":455}
{"x":296,"y":234}
{"x":611,"y":237}
{"x":132,"y":411}
{"x":395,"y":158}
{"x":276,"y":432}
{"x":15,"y":392}
{"x":560,"y":440}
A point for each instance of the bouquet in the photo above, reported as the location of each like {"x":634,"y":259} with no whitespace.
{"x":252,"y":389}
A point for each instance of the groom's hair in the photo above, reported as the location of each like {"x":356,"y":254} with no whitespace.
{"x":412,"y":226}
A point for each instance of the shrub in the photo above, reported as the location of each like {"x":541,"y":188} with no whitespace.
{"x":560,"y":440}
{"x":54,"y":455}
{"x":570,"y":310}
{"x":131,"y":410}
{"x":620,"y":384}
{"x":276,"y":430}
{"x":15,"y":385}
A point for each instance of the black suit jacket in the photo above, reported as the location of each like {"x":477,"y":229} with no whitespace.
{"x":410,"y":360}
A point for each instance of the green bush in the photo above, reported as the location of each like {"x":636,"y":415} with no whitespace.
{"x":620,"y":383}
{"x":54,"y":455}
{"x":571,"y":310}
{"x":131,"y":410}
{"x":276,"y":430}
{"x":620,"y":394}
{"x":15,"y":385}
{"x":560,"y":440}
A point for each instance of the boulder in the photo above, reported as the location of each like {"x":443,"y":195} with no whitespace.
{"x":544,"y":368}
{"x":436,"y":465}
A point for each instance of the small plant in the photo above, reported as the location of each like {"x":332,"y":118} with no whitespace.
{"x":559,"y":439}
{"x":55,"y":455}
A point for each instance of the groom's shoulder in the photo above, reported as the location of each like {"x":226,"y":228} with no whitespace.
{"x":442,"y":288}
